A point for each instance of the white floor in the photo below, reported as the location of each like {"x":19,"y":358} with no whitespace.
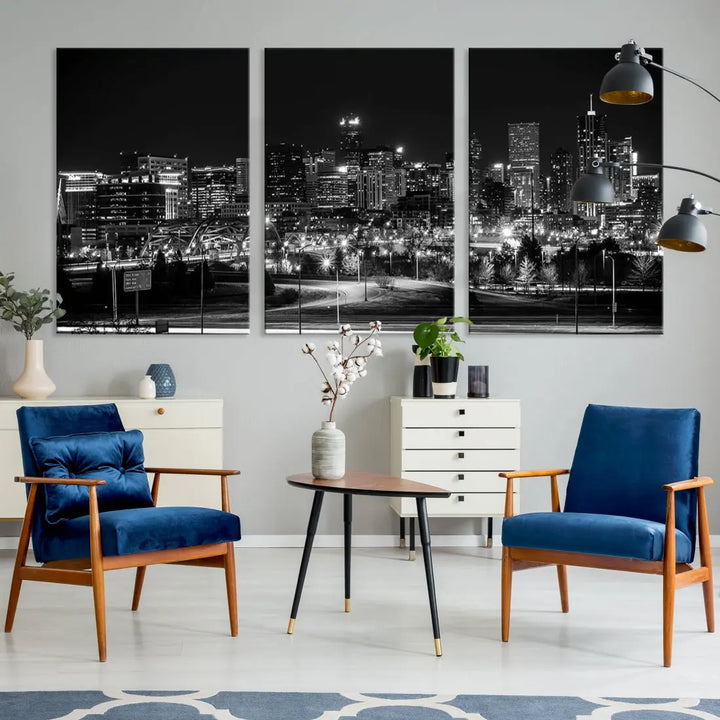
{"x":608,"y":645}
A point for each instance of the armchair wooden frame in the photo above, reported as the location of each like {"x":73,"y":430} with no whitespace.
{"x":675,"y":575}
{"x":90,"y":571}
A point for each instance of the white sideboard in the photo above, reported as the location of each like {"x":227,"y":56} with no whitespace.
{"x":460,"y":445}
{"x":178,"y":432}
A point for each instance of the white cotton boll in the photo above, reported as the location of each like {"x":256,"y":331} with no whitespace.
{"x":362,"y":373}
{"x":326,"y":401}
{"x":378,"y":352}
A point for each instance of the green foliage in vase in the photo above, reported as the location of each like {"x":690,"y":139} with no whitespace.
{"x":439,"y":338}
{"x":27,"y":311}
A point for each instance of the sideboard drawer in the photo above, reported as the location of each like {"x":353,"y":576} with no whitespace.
{"x":458,"y":413}
{"x":473,"y":438}
{"x":457,"y":505}
{"x":459,"y":460}
{"x":170,"y":413}
{"x":460,"y":482}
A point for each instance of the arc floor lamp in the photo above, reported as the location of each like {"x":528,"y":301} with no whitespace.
{"x":630,"y":83}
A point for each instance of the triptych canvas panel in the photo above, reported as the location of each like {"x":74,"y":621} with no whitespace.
{"x":153,"y":200}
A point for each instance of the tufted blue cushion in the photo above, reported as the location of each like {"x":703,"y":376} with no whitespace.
{"x":593,"y":534}
{"x":52,"y":420}
{"x":123,"y":532}
{"x":625,"y":455}
{"x":116,"y":457}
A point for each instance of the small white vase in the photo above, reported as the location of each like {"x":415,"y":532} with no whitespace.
{"x":146,"y":388}
{"x":328,"y":452}
{"x":34,"y":383}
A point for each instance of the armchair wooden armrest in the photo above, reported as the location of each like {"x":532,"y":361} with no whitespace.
{"x":59,"y":481}
{"x":222,"y":474}
{"x":552,"y":474}
{"x":532,"y":473}
{"x":191,"y":471}
{"x":688,"y":484}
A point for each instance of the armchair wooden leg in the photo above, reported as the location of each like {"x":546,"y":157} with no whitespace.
{"x":709,"y":604}
{"x":506,"y":592}
{"x":98,"y":575}
{"x":562,"y":582}
{"x":231,"y":585}
{"x":669,"y":558}
{"x":668,"y":616}
{"x":706,"y":560}
{"x":98,"y":585}
{"x":20,"y":558}
{"x":137,"y":591}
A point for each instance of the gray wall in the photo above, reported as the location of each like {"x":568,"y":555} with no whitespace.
{"x":270,"y":390}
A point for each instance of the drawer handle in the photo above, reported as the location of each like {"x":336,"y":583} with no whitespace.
{"x":461,"y":411}
{"x":461,"y":498}
{"x":461,"y":476}
{"x":161,"y":411}
{"x":461,"y":455}
{"x":461,"y":433}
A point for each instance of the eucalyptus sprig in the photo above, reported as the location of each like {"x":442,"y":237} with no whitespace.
{"x":27,"y":311}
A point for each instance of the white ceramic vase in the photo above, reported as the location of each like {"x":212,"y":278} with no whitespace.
{"x":34,"y":383}
{"x":146,"y":388}
{"x":328,"y":452}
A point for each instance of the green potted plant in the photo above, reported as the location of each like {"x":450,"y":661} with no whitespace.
{"x":27,"y":312}
{"x":439,"y":341}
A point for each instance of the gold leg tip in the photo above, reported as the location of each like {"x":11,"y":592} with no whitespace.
{"x":347,"y":604}
{"x":291,"y":626}
{"x":412,"y":555}
{"x":438,"y":647}
{"x":402,"y":543}
{"x":489,"y":542}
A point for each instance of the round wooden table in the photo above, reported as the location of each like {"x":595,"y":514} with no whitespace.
{"x":366,"y":483}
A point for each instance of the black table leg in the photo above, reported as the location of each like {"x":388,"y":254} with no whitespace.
{"x":347,"y":517}
{"x":309,"y":537}
{"x":489,"y":532}
{"x":402,"y":532}
{"x":412,"y":539}
{"x":425,"y":540}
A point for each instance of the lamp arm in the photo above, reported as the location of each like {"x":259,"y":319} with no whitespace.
{"x":680,"y":75}
{"x":675,"y":167}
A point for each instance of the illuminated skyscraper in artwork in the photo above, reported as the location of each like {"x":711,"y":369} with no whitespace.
{"x":592,"y":137}
{"x":524,"y":156}
{"x":561,"y":181}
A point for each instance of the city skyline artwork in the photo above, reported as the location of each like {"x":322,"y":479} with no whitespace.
{"x":152,"y":190}
{"x":359,"y":196}
{"x":539,"y":262}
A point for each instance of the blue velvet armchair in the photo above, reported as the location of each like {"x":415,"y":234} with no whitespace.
{"x":90,"y":509}
{"x":634,"y":502}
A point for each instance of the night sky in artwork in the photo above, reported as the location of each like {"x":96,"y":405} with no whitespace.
{"x":404,"y":97}
{"x":552,"y":87}
{"x":185,"y":102}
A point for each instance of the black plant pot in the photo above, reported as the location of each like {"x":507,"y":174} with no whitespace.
{"x":422,"y":377}
{"x":444,"y":376}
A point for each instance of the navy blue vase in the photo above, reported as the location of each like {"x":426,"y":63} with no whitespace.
{"x":164,"y":379}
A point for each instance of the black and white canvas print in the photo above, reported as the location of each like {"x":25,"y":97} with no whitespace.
{"x":538,"y":261}
{"x":358,"y":187}
{"x":152,"y":190}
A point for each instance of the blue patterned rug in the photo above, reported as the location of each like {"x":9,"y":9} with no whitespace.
{"x":186,"y":705}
